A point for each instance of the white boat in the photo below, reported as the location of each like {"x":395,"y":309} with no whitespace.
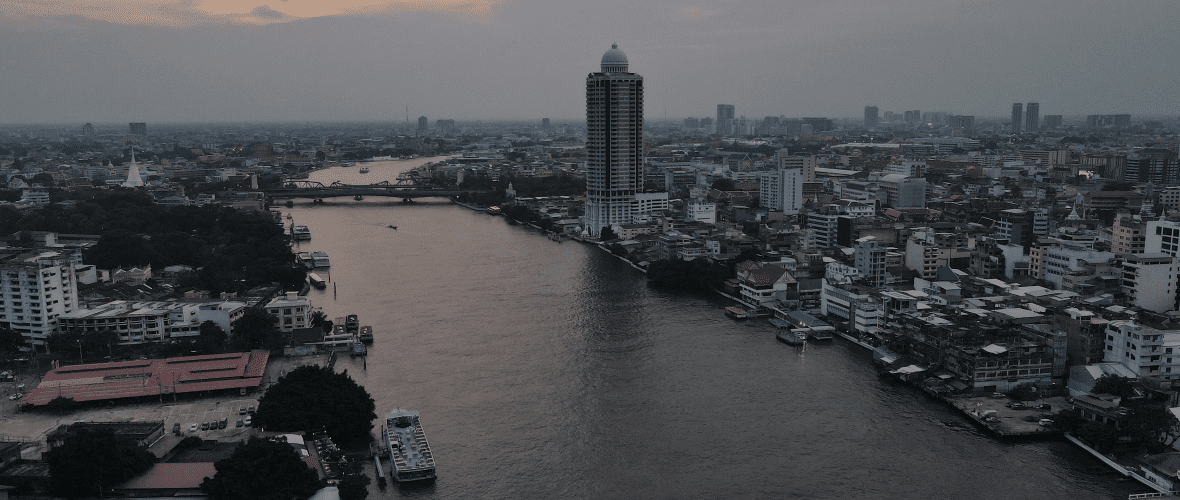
{"x":305,"y":259}
{"x":316,"y":281}
{"x":320,"y":259}
{"x":410,"y":455}
{"x":300,"y":233}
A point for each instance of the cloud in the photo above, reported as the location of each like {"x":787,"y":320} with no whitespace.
{"x":188,"y":13}
{"x":694,"y":12}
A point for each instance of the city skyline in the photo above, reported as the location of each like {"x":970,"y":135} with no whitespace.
{"x":296,"y":61}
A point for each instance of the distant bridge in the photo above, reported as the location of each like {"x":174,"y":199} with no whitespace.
{"x":315,"y":189}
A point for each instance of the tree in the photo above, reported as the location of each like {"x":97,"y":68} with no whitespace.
{"x":261,"y":469}
{"x":1114,"y":385}
{"x":723,"y":184}
{"x":11,"y":343}
{"x":211,"y":339}
{"x":607,"y":234}
{"x":257,"y":329}
{"x":354,"y":487}
{"x":313,"y":398}
{"x":90,"y":460}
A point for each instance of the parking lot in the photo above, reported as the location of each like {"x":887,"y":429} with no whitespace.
{"x":212,"y":412}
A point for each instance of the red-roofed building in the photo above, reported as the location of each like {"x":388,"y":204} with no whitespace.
{"x":758,"y":283}
{"x":155,"y":377}
{"x":168,"y":480}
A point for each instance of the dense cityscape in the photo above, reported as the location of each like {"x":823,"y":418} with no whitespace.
{"x":1022,"y":268}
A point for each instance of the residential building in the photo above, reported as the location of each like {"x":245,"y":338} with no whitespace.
{"x":1128,"y":235}
{"x":614,"y":142}
{"x":903,"y":191}
{"x":1144,"y":350}
{"x":782,"y":190}
{"x":1017,"y":116}
{"x":870,"y":117}
{"x":1149,"y":281}
{"x":724,"y":119}
{"x":291,"y":311}
{"x":869,"y":258}
{"x":141,"y":322}
{"x":1032,"y":117}
{"x":36,"y":287}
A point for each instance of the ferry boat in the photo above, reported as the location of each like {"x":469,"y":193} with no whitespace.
{"x":317,"y":281}
{"x":786,"y":335}
{"x":351,"y":324}
{"x":410,"y":456}
{"x":305,"y":259}
{"x":366,"y":334}
{"x":300,"y":233}
{"x":380,"y":158}
{"x":320,"y":259}
{"x":493,"y":210}
{"x":739,"y":313}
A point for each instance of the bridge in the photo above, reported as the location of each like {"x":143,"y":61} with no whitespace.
{"x":317,"y":190}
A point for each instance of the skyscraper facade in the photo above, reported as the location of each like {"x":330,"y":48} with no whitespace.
{"x":724,"y":119}
{"x":614,"y":142}
{"x":423,"y":124}
{"x":1032,"y":115}
{"x":1017,"y":116}
{"x":870,"y":117}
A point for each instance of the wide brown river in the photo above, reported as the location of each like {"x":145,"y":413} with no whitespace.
{"x":551,"y":370}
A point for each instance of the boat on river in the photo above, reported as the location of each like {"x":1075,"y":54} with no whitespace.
{"x":787,"y":335}
{"x":739,"y":313}
{"x":409,"y":452}
{"x":364,"y":170}
{"x":317,"y":281}
{"x":320,"y":259}
{"x":366,"y":334}
{"x":300,"y":233}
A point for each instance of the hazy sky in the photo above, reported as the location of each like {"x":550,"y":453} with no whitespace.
{"x":76,"y":61}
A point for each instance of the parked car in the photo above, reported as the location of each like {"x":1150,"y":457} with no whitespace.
{"x":999,"y":395}
{"x":192,"y":427}
{"x":239,"y":423}
{"x":204,"y":426}
{"x":1043,"y":406}
{"x":250,"y":410}
{"x":15,"y":397}
{"x":248,"y":421}
{"x":1016,"y":406}
{"x":1046,"y":422}
{"x":176,"y":428}
{"x":222,"y":424}
{"x":242,"y":410}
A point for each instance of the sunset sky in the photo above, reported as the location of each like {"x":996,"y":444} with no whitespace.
{"x":198,"y":61}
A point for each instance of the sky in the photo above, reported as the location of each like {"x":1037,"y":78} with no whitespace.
{"x":176,"y":61}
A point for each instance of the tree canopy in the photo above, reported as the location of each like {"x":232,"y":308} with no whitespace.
{"x":90,"y":460}
{"x":1114,"y":385}
{"x":261,"y":469}
{"x":313,"y":398}
{"x":257,"y":329}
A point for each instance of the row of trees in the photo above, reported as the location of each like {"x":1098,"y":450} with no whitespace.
{"x":231,"y":250}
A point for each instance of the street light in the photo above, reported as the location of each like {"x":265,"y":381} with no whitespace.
{"x":79,"y":351}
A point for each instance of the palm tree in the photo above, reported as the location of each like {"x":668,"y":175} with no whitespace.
{"x":317,"y":318}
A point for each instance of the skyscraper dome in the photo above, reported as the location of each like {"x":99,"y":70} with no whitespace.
{"x":614,"y":60}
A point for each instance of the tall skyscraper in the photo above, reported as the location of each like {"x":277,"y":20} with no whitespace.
{"x":870,"y":117}
{"x":724,"y":118}
{"x":423,"y":124}
{"x":88,"y":130}
{"x":1017,"y":116}
{"x":614,"y":142}
{"x":1032,"y":115}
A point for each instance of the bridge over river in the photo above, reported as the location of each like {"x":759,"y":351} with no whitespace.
{"x":317,"y":190}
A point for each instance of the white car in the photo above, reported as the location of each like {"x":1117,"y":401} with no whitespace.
{"x":192,"y":427}
{"x":15,"y":397}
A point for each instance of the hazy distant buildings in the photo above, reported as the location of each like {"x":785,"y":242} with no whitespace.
{"x":870,"y":117}
{"x":691,"y":124}
{"x":88,"y":130}
{"x":137,"y":128}
{"x":614,"y":142}
{"x":1032,"y":115}
{"x":423,"y":124}
{"x":1017,"y":116}
{"x":1108,"y":121}
{"x":818,"y":124}
{"x":961,"y":121}
{"x":1052,"y":121}
{"x":913,"y":117}
{"x":724,"y":118}
{"x":448,"y":126}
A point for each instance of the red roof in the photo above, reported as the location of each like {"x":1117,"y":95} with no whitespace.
{"x":171,"y":477}
{"x":129,"y":379}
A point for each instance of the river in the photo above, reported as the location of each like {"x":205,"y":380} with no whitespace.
{"x":551,"y":370}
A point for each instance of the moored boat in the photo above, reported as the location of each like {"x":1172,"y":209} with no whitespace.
{"x":366,"y":334}
{"x":320,"y":259}
{"x":493,"y":210}
{"x":409,"y":452}
{"x":739,"y":313}
{"x":364,"y":170}
{"x":300,"y":233}
{"x":317,"y":281}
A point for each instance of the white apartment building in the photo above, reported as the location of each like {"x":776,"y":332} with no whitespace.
{"x":650,"y":203}
{"x":1144,"y":350}
{"x":701,"y":211}
{"x":782,"y":190}
{"x":1149,"y":281}
{"x":904,"y":192}
{"x":854,"y":304}
{"x":291,"y":310}
{"x":869,"y":257}
{"x":806,"y":164}
{"x":157,"y":321}
{"x":36,"y":287}
{"x":1060,"y":261}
